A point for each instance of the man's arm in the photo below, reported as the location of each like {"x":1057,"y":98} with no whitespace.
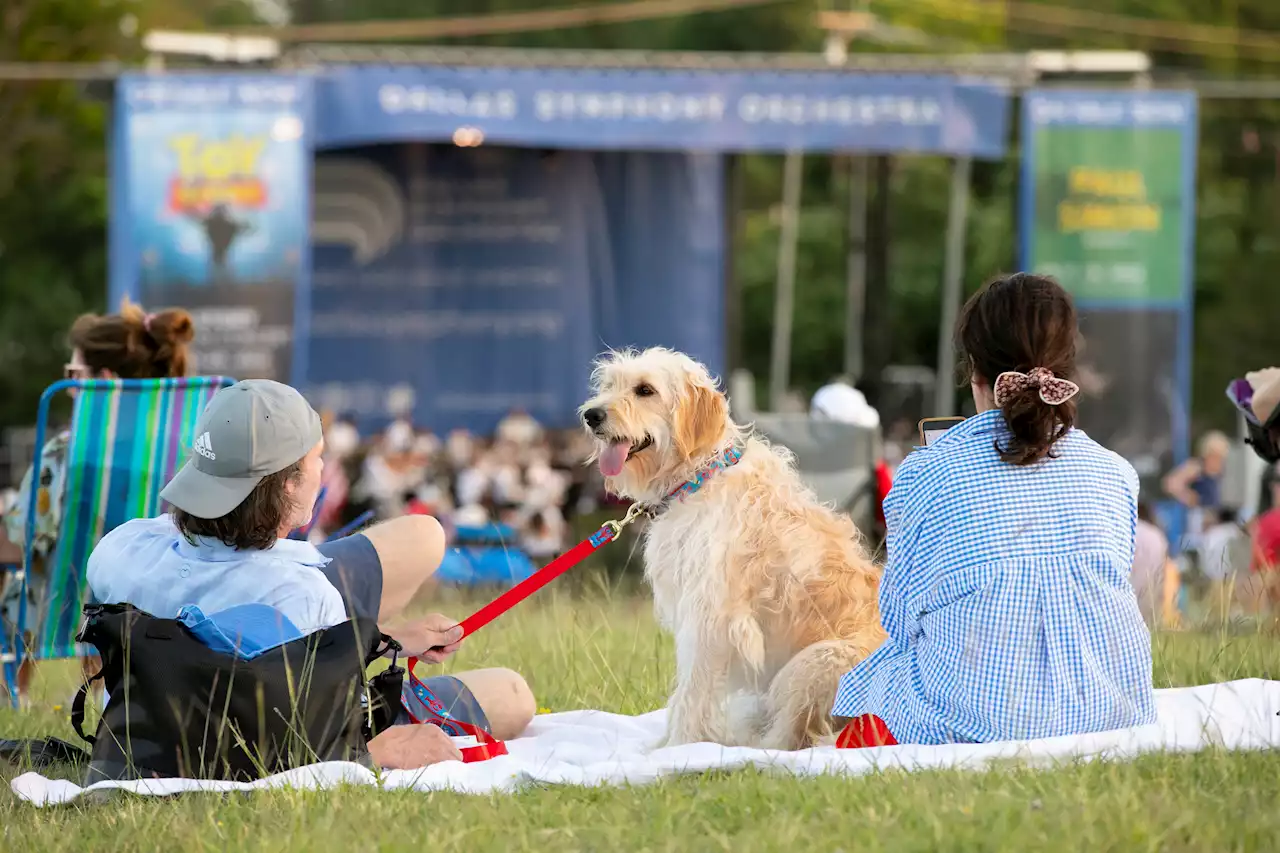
{"x":431,"y":638}
{"x":1177,"y":483}
{"x":412,"y":747}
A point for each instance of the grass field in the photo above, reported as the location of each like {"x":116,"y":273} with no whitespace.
{"x":597,"y":647}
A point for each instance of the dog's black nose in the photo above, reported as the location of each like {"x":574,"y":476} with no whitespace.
{"x":593,"y":417}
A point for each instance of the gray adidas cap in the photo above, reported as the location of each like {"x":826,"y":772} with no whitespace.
{"x":247,"y":432}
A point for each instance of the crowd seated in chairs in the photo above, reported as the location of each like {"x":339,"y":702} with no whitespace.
{"x":507,"y":502}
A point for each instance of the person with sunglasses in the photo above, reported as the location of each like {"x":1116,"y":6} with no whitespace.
{"x":131,"y":344}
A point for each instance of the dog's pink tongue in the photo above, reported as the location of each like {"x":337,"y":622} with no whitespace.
{"x":613,"y":457}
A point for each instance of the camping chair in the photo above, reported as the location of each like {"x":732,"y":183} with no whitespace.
{"x":836,"y":460}
{"x":128,"y":438}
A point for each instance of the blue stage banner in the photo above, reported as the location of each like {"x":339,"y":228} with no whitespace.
{"x":664,"y":110}
{"x":1108,"y":208}
{"x":210,"y":211}
{"x":478,"y":281}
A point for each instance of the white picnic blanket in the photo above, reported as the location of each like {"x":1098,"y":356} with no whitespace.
{"x":598,"y":748}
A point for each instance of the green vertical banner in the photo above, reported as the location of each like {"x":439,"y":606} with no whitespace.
{"x":1108,"y":209}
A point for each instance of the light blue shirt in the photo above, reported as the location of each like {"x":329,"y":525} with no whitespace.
{"x":1006,"y":596}
{"x":149,"y":564}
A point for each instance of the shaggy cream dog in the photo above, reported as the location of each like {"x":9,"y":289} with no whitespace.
{"x":771,"y":596}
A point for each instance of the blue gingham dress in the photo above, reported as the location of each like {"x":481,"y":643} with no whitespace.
{"x":1006,"y":596}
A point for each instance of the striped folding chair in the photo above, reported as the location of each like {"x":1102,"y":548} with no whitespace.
{"x":128,"y":438}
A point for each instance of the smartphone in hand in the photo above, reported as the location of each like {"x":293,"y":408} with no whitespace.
{"x":931,"y":429}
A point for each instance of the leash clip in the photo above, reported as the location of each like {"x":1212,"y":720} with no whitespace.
{"x":615,"y":527}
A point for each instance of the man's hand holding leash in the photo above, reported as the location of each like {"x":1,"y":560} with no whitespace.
{"x":432,"y":638}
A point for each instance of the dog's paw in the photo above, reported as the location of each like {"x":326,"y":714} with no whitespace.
{"x":748,"y":640}
{"x":690,"y":723}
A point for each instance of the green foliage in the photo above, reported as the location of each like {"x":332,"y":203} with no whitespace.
{"x":775,"y":27}
{"x":52,"y":191}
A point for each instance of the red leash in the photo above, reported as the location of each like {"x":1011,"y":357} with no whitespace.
{"x":608,"y":532}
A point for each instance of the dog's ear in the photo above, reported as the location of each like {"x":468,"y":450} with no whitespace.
{"x":699,"y":420}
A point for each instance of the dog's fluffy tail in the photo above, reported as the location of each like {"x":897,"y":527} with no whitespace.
{"x":803,"y":691}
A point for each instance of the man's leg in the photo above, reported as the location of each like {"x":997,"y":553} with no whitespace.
{"x":505,"y":698}
{"x":410,"y":549}
{"x":379,"y":571}
{"x":495,"y":700}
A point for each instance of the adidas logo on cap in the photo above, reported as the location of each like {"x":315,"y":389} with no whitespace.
{"x":203,"y":447}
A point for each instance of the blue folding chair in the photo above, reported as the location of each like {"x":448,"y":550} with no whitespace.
{"x":488,"y":554}
{"x":127,"y":439}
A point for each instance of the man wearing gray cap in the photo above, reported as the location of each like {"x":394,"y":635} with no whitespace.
{"x":253,"y":477}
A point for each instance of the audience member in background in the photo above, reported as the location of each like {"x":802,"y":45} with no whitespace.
{"x":132,"y":344}
{"x":473,"y":480}
{"x":1215,"y":549}
{"x":390,"y":469}
{"x":1154,"y":575}
{"x":1197,"y":483}
{"x":838,"y":400}
{"x":471,"y":515}
{"x":541,"y":540}
{"x":426,"y":446}
{"x":459,"y":448}
{"x":519,"y":428}
{"x":342,"y":439}
{"x":1006,"y":594}
{"x":507,"y":483}
{"x":398,"y":437}
{"x":1264,"y":564}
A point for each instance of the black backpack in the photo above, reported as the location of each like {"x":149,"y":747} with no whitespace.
{"x":176,"y":708}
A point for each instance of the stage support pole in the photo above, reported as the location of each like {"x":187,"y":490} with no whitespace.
{"x":785,"y":291}
{"x":952,"y":287}
{"x":855,"y":268}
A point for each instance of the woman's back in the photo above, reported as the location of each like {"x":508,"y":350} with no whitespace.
{"x":1018,"y":578}
{"x":1006,"y":594}
{"x":1066,"y":505}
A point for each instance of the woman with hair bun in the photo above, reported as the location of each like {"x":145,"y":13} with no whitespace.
{"x":1006,"y":592}
{"x":132,"y":344}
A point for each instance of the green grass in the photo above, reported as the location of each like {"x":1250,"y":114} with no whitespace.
{"x":599,"y":648}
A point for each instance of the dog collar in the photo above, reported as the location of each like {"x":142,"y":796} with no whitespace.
{"x":725,"y":460}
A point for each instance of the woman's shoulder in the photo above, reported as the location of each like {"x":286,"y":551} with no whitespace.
{"x":1084,"y":452}
{"x":968,"y":444}
{"x":966,"y":457}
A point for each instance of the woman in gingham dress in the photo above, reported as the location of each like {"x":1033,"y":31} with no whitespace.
{"x":1006,"y":594}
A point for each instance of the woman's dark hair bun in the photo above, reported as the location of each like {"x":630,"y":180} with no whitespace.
{"x":1019,"y":323}
{"x":134,"y":344}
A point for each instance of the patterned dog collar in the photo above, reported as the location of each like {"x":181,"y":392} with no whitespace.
{"x":727,"y":459}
